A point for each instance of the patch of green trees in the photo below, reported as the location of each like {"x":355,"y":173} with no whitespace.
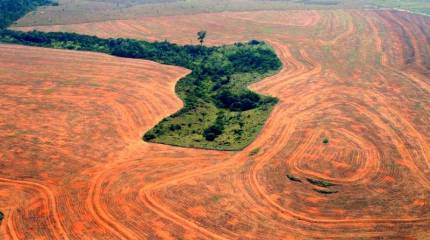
{"x":214,"y":93}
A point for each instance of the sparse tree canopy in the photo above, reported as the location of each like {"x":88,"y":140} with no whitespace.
{"x":201,"y":36}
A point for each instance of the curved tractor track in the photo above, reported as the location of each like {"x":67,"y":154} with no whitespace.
{"x":74,"y":167}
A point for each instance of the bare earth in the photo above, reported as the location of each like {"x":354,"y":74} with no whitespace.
{"x":73,"y":165}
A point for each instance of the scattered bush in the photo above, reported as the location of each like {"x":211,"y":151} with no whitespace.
{"x":320,"y":183}
{"x":254,"y":152}
{"x":325,"y":191}
{"x":216,"y":198}
{"x":148,"y":136}
{"x":255,"y":42}
{"x":175,"y":127}
{"x":293,"y":178}
{"x":217,"y":129}
{"x":325,"y":141}
{"x":211,"y":133}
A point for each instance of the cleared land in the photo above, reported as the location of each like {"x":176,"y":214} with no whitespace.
{"x":359,"y":79}
{"x":82,"y":11}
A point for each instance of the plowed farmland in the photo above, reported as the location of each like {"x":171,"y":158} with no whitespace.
{"x":345,"y":154}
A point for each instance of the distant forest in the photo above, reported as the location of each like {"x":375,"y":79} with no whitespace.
{"x":12,"y":10}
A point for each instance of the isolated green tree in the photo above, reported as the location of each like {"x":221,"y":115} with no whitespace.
{"x":325,"y":140}
{"x":201,"y":36}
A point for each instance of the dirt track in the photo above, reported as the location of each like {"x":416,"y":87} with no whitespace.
{"x":359,"y":78}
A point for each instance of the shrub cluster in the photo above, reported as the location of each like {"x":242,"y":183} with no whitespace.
{"x":238,"y":102}
{"x":217,"y":129}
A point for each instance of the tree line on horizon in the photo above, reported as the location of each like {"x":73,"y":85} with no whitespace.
{"x":12,"y":10}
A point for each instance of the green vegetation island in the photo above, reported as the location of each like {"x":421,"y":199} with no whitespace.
{"x":219,"y":111}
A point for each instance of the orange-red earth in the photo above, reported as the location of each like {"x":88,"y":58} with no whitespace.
{"x":73,"y":165}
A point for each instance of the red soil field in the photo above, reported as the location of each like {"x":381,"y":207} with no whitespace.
{"x":79,"y":170}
